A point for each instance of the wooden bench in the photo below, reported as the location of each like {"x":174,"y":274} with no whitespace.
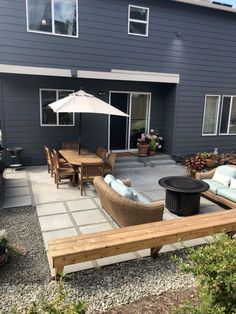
{"x":97,"y":245}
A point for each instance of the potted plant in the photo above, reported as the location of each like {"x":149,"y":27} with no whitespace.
{"x":155,"y":142}
{"x":195,"y":164}
{"x":143,"y":145}
{"x":6,"y":249}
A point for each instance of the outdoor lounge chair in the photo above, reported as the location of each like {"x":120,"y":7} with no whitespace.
{"x":88,"y":172}
{"x":109,"y":165}
{"x":61,"y":172}
{"x":124,"y":211}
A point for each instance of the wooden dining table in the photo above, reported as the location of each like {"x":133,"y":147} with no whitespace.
{"x":76,"y":159}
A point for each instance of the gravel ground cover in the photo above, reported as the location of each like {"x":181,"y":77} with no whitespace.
{"x":26,"y":276}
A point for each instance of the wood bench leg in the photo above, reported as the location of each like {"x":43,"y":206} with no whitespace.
{"x":155,"y":251}
{"x":58,"y":273}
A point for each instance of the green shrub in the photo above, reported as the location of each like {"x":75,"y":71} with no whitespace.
{"x":214,"y":267}
{"x":57,"y":305}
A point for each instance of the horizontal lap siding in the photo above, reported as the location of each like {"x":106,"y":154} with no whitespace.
{"x":204,"y":56}
{"x":20,"y":95}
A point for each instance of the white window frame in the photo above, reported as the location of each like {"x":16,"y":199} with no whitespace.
{"x":217,"y":118}
{"x":53,"y":23}
{"x":138,"y":21}
{"x":230,"y":111}
{"x":57,"y":113}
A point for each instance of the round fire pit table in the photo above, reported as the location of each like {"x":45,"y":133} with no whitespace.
{"x":183,"y":194}
{"x":15,"y":156}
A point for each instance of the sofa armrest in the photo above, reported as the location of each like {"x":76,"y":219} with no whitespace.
{"x":205,"y":175}
{"x":127,"y":182}
{"x":156,"y":205}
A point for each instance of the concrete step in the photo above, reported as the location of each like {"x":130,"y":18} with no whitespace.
{"x":140,"y":162}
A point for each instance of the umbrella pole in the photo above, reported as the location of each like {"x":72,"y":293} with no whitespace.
{"x":80,"y":118}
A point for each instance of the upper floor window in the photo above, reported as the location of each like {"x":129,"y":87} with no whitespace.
{"x":211,"y":113}
{"x":48,"y":116}
{"x":138,"y":21}
{"x":228,"y":115}
{"x":59,"y":17}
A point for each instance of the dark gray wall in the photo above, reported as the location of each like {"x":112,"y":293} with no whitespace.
{"x":204,"y":55}
{"x":19,"y":98}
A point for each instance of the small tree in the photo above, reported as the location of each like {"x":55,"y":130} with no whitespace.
{"x":214,"y":267}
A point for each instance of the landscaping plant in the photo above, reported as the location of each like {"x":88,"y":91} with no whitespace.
{"x":195,"y":164}
{"x":57,"y":305}
{"x":214,"y":267}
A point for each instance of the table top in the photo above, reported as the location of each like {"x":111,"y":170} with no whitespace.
{"x":183,"y":184}
{"x":73,"y":157}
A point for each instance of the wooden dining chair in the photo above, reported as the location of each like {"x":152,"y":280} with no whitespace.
{"x":101,"y":152}
{"x":88,"y":172}
{"x":109,"y":164}
{"x":62,"y":171}
{"x":50,"y":162}
{"x":71,"y":145}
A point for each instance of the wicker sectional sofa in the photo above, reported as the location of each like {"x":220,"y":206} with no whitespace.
{"x":223,"y":195}
{"x":127,"y":212}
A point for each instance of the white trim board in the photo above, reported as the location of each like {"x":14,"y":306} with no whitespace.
{"x":124,"y":75}
{"x":28,"y":70}
{"x":208,"y":4}
{"x":115,"y":74}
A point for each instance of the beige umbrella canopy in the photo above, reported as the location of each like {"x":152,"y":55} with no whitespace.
{"x":81,"y":102}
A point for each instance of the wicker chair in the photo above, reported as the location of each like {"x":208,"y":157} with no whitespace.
{"x":61,"y":172}
{"x":88,"y":172}
{"x":71,"y":145}
{"x":124,"y":211}
{"x":109,"y":165}
{"x":101,"y":152}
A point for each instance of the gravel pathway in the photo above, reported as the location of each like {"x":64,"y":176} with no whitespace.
{"x":24,"y":277}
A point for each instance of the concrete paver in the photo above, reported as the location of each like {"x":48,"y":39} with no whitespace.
{"x":64,"y":212}
{"x":88,"y":217}
{"x":55,"y":222}
{"x":50,"y":209}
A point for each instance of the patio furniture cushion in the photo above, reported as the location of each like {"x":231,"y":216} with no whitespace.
{"x":227,"y":171}
{"x":221,"y":178}
{"x":214,"y":185}
{"x":232,"y":183}
{"x":109,"y":178}
{"x":228,"y":193}
{"x":122,"y":190}
{"x":140,"y":197}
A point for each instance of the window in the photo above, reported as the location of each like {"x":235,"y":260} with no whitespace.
{"x":228,"y":115}
{"x":211,"y":112}
{"x":48,"y":116}
{"x":138,"y":20}
{"x":58,"y":17}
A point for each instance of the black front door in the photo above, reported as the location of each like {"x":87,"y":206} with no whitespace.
{"x":118,"y":125}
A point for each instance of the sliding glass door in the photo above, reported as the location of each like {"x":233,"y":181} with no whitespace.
{"x":124,"y":132}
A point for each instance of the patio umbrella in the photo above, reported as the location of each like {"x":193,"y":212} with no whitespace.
{"x":81,"y":102}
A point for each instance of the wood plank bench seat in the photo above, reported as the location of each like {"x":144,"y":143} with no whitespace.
{"x":82,"y":248}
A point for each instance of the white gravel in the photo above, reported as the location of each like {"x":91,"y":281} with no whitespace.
{"x":25,"y":277}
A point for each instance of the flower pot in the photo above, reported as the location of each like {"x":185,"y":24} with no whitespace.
{"x":210,"y":162}
{"x":143,"y":150}
{"x":152,"y":153}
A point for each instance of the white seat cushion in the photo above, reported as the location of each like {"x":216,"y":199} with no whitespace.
{"x":221,"y":178}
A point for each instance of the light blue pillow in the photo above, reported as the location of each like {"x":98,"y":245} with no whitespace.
{"x":140,"y":197}
{"x":122,"y":190}
{"x":109,"y":178}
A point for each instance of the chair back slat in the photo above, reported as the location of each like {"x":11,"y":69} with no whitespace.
{"x":112,"y":161}
{"x":101,"y":152}
{"x":71,"y":145}
{"x":91,"y":170}
{"x":56,"y":160}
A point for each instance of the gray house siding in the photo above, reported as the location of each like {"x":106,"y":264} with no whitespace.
{"x":21,"y":106}
{"x":204,"y":56}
